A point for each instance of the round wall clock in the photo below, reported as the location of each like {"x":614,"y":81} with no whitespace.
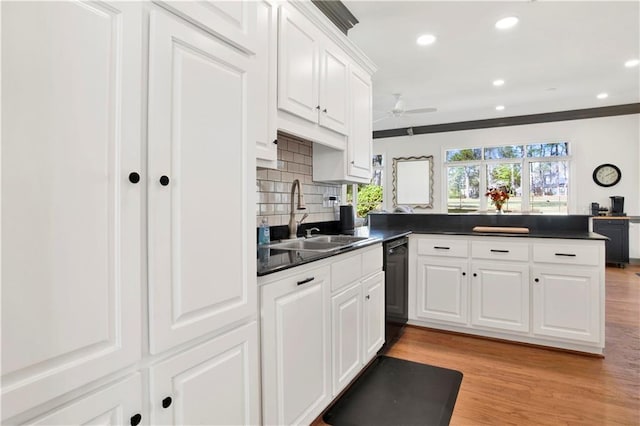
{"x":607,"y":175}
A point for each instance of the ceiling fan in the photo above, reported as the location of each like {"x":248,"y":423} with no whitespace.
{"x":399,"y":110}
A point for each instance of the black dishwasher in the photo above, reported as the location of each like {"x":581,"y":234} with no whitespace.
{"x":396,"y":267}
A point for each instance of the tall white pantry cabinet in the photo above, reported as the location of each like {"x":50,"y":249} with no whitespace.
{"x":128,"y":181}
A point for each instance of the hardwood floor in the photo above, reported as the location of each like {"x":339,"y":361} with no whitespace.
{"x":510,"y":384}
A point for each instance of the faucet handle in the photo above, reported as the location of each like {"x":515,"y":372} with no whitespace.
{"x":310,"y":230}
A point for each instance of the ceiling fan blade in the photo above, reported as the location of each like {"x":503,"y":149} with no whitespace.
{"x":420,"y":110}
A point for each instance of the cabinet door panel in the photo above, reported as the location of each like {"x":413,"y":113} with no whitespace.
{"x":346,"y":327}
{"x":214,"y":383}
{"x":442,"y":289}
{"x":70,"y":217}
{"x":374,"y":321}
{"x":114,"y":404}
{"x":360,"y":134}
{"x":500,"y":296}
{"x":296,"y":349}
{"x":200,"y":273}
{"x":566,"y":303}
{"x":233,"y":20}
{"x":333,"y":100}
{"x":297,"y":65}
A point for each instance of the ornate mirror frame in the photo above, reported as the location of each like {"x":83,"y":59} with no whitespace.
{"x":413,"y":182}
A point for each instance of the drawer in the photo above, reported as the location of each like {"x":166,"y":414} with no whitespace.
{"x":569,"y":254}
{"x":443,"y":247}
{"x":372,"y":260}
{"x":500,"y":250}
{"x":345,"y":271}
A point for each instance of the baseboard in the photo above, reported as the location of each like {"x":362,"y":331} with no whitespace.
{"x":634,"y":261}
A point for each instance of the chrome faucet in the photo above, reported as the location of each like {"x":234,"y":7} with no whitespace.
{"x":293,"y":225}
{"x":310,"y":230}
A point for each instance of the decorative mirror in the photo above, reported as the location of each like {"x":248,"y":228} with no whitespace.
{"x":413,"y":181}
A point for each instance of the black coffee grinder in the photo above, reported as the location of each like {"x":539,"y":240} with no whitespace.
{"x":617,"y":206}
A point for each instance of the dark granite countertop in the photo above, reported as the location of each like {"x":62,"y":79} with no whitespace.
{"x":273,"y":260}
{"x":388,"y":227}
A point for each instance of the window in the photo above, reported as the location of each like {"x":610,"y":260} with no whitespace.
{"x":536,"y":176}
{"x":368,"y":197}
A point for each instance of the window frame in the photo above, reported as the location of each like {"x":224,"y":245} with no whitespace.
{"x":525,"y":175}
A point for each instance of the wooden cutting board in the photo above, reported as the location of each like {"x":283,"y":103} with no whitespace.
{"x":501,"y":229}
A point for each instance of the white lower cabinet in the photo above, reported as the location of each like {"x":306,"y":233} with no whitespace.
{"x":116,"y":404}
{"x":295,"y":347}
{"x":321,"y":323}
{"x":210,"y":384}
{"x":566,"y":303}
{"x":374,"y":315}
{"x":442,"y":289}
{"x":533,"y":290}
{"x":500,"y":296}
{"x":347,"y":335}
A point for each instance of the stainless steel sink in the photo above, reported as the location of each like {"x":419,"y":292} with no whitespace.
{"x":307,"y":245}
{"x":319,"y":243}
{"x":343,"y":239}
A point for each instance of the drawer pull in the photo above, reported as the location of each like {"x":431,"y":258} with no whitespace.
{"x":441,"y":248}
{"x":499,"y":251}
{"x":566,"y":254}
{"x":306,"y":280}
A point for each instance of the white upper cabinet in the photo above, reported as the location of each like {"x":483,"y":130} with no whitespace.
{"x":361,"y":130}
{"x":201,"y":272}
{"x":232,"y":21}
{"x":298,"y":74}
{"x":266,"y":85}
{"x":334,"y":89}
{"x":71,"y":219}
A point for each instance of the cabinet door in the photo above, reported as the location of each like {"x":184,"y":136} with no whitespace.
{"x":267,"y":68}
{"x":442,"y":289}
{"x":215,"y":383}
{"x":500,"y":296}
{"x":373,"y":291}
{"x":71,"y":107}
{"x":566,"y":303}
{"x":201,"y":172}
{"x":116,"y":404}
{"x":233,"y":20}
{"x":297,"y":65}
{"x":334,"y":89}
{"x":295,"y":348}
{"x":360,"y":126}
{"x":346,"y":328}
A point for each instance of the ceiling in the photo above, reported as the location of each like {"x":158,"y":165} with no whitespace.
{"x":557,"y":58}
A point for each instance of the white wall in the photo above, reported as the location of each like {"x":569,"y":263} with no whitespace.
{"x":593,"y":141}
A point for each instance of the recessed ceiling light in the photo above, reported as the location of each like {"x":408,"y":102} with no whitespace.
{"x":498,"y":82}
{"x":426,"y":39}
{"x":632,"y":63}
{"x":602,"y":95}
{"x":507,"y":22}
{"x":499,"y":107}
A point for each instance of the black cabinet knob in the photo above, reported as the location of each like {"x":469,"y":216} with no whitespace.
{"x":164,"y":180}
{"x":475,"y":275}
{"x":464,"y":274}
{"x":134,"y":177}
{"x":368,"y":296}
{"x":275,"y":141}
{"x":324,"y":110}
{"x":136,"y":419}
{"x":166,"y":403}
{"x":537,"y":280}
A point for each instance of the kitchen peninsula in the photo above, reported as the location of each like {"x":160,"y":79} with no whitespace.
{"x":544,"y":287}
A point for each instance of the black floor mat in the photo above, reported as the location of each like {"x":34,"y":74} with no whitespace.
{"x":393,"y":391}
